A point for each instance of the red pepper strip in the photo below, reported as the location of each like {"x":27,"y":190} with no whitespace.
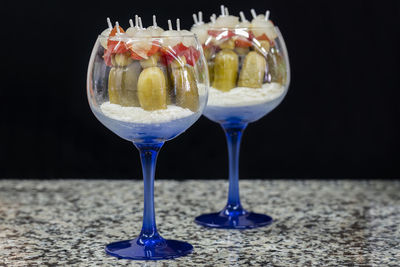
{"x":134,"y":55}
{"x":114,"y":31}
{"x":251,"y":35}
{"x":180,"y":49}
{"x":163,"y":59}
{"x":116,"y":47}
{"x":213,"y":33}
{"x":168,"y":55}
{"x":243,"y":42}
{"x":221,"y":34}
{"x":154,"y":48}
{"x":264,"y":37}
{"x":192,"y":55}
{"x":107,"y":57}
{"x":172,"y":54}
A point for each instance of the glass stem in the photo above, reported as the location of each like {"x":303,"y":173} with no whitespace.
{"x":148,"y":156}
{"x":233,"y":136}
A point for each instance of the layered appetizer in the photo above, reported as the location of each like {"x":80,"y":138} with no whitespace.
{"x":246,"y":66}
{"x":152,"y":73}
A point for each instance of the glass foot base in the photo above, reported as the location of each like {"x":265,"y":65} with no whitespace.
{"x":233,"y":220}
{"x":153,"y":250}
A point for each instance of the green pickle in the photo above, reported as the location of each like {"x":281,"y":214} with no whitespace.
{"x":253,"y":70}
{"x":276,"y":66}
{"x":131,"y":76}
{"x":184,"y":83}
{"x":122,"y":81}
{"x":208,"y":54}
{"x":210,"y":65}
{"x":152,"y":89}
{"x":114,"y":89}
{"x":225,"y":70}
{"x":154,"y":61}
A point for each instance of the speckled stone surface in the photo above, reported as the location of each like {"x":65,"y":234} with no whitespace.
{"x":317,"y":223}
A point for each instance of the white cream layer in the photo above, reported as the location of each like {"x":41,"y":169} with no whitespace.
{"x":244,"y":96}
{"x":139,"y":115}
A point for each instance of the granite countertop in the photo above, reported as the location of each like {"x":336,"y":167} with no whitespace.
{"x":321,"y":223}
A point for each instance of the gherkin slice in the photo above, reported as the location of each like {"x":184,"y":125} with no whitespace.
{"x":122,"y":80}
{"x":152,"y":89}
{"x":130,"y":76}
{"x":276,"y":67}
{"x":114,"y":86}
{"x":122,"y":85}
{"x":210,"y":65}
{"x":225,"y":70}
{"x":185,"y":87}
{"x":253,"y":70}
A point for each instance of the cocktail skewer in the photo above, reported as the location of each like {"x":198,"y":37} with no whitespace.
{"x":170,"y":25}
{"x":155,"y":29}
{"x":106,"y":33}
{"x":201,"y":17}
{"x":253,"y":13}
{"x":196,"y":21}
{"x":117,"y":26}
{"x":222,"y":10}
{"x":140,"y":23}
{"x":109,"y":23}
{"x":267,"y":15}
{"x":244,"y":22}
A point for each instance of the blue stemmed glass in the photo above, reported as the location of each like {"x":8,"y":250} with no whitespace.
{"x":147,"y":97}
{"x":260,"y":86}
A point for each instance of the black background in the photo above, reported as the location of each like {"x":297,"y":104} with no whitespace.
{"x":340,"y":118}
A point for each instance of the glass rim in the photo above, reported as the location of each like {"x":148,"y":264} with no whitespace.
{"x":238,"y":28}
{"x":192,"y":35}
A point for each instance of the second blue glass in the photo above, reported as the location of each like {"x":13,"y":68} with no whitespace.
{"x":250,"y":77}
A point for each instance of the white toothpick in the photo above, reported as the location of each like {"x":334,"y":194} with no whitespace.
{"x":109,"y":23}
{"x":253,"y":13}
{"x":169,"y":25}
{"x":267,"y":15}
{"x":212,"y":18}
{"x":131,"y":23}
{"x":242,"y":17}
{"x":222,"y":10}
{"x":154,"y":21}
{"x":226,"y":11}
{"x":117,"y":25}
{"x":195,"y":19}
{"x":140,"y":23}
{"x":136,"y":21}
{"x":178,"y":24}
{"x":200,"y":17}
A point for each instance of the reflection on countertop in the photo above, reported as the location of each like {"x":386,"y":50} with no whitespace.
{"x":321,"y":223}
